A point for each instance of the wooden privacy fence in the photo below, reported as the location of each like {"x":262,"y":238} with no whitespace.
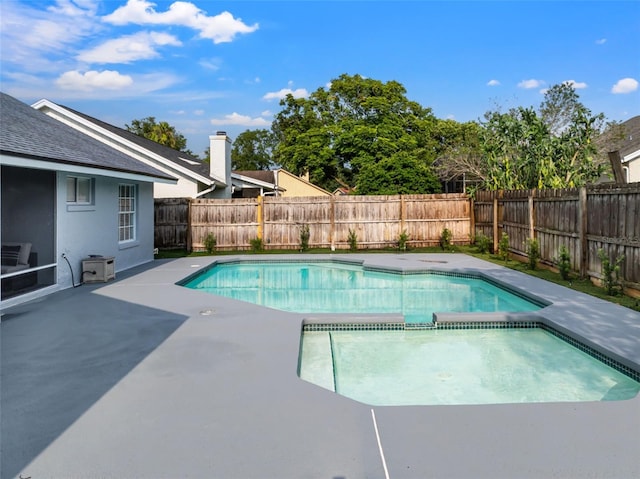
{"x":378,"y":221}
{"x":585,"y":221}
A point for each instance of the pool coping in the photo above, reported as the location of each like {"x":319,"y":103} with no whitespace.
{"x":209,"y":400}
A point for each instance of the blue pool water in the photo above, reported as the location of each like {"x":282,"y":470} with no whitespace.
{"x":329,"y":287}
{"x":438,"y":367}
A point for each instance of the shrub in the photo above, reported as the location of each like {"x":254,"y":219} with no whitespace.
{"x":564,"y":262}
{"x":483,"y":243}
{"x":610,"y":283}
{"x":533,"y":252}
{"x":256,"y":244}
{"x":304,"y":237}
{"x":402,"y":241}
{"x":445,"y":239}
{"x":503,"y":247}
{"x":210,"y":243}
{"x":353,"y":240}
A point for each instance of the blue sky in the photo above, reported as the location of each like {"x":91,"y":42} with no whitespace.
{"x":205,"y":66}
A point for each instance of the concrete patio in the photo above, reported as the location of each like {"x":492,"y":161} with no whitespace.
{"x":141,"y":378}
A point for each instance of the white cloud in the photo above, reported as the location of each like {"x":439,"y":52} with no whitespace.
{"x":626,"y":85}
{"x":212,"y":64}
{"x":198,"y":112}
{"x":93,"y":80}
{"x":529,"y":84}
{"x":220,"y":28}
{"x":38,"y":39}
{"x":266,"y":113}
{"x":576,"y":85}
{"x":601,"y":41}
{"x":493,"y":83}
{"x":241,"y":120}
{"x":130,"y":48}
{"x":279,"y":95}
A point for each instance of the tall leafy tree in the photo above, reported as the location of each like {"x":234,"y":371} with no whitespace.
{"x":253,"y":150}
{"x":554,"y":149}
{"x":357,"y":122}
{"x":160,"y":132}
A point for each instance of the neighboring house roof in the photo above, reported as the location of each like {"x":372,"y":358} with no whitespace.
{"x":29,"y":133}
{"x":624,"y":137}
{"x":266,"y":176}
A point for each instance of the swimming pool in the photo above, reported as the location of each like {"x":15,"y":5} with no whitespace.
{"x":341,"y":287}
{"x":458,"y":366}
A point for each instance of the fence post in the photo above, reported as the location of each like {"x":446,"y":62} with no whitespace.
{"x":531,"y":216}
{"x":332,"y":222}
{"x":260,"y":216}
{"x":472,"y":220}
{"x":582,"y":231}
{"x":189,"y":222}
{"x":495,"y":222}
{"x":403,"y":213}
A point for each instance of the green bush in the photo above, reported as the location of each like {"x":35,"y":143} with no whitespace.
{"x":210,"y":243}
{"x":503,"y":247}
{"x":304,"y":237}
{"x":353,"y":240}
{"x":402,"y":241}
{"x":256,"y":244}
{"x":564,"y":262}
{"x":483,"y":243}
{"x":610,"y":273}
{"x":533,"y":252}
{"x":445,"y":239}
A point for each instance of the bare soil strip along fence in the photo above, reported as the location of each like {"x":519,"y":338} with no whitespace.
{"x":585,"y":221}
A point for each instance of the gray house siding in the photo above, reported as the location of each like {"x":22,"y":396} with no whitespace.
{"x":93,"y":230}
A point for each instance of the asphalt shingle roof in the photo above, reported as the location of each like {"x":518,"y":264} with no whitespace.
{"x":27,"y":132}
{"x":175,"y":156}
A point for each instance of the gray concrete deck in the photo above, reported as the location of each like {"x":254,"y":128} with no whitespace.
{"x":141,"y":378}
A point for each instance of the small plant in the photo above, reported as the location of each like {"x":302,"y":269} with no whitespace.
{"x":533,"y":252}
{"x":402,"y":241}
{"x":503,"y":247}
{"x":210,"y":243}
{"x":304,"y":237}
{"x":256,"y":244}
{"x":445,"y":239}
{"x":610,"y":283}
{"x":564,"y":262}
{"x":353,"y":240}
{"x":483,"y":243}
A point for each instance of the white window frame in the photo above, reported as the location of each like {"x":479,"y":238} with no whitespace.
{"x":127,"y":212}
{"x":75,"y":189}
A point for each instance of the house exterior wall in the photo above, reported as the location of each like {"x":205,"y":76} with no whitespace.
{"x":295,"y":186}
{"x":632,"y":163}
{"x":86,"y":230}
{"x":183,"y":189}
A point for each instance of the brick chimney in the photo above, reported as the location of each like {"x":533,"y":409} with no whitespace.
{"x":220,"y":161}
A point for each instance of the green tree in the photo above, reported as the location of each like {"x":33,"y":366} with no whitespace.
{"x":252,"y":150}
{"x":160,"y":132}
{"x":459,"y":151}
{"x":522,"y":149}
{"x":340,"y":132}
{"x":401,"y":173}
